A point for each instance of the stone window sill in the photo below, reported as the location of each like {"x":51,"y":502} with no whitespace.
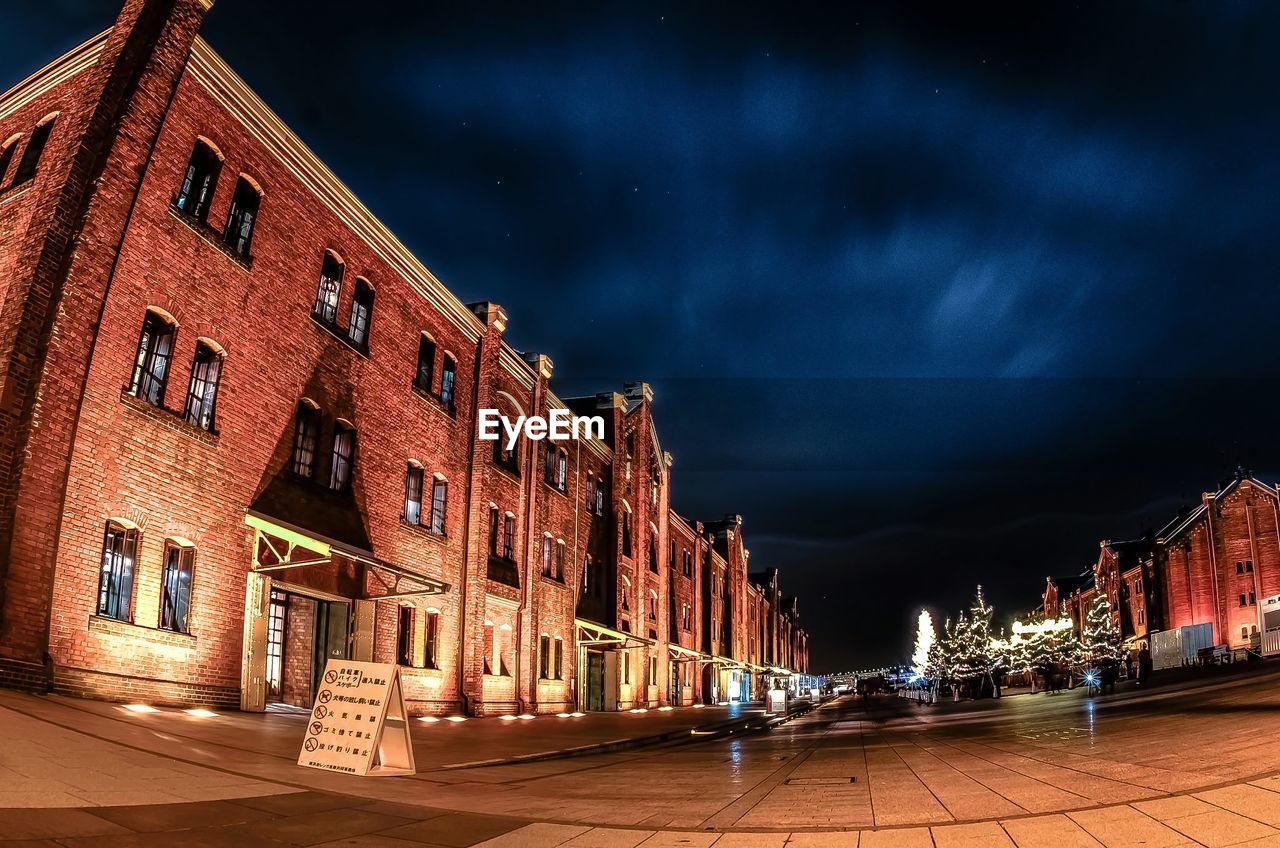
{"x":432,"y":398}
{"x":341,"y":335}
{"x":425,"y":532}
{"x":168,"y":418}
{"x":210,"y":235}
{"x":113,"y":627}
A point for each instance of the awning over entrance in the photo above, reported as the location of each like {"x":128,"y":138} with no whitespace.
{"x":591,"y":633}
{"x":780,"y":671}
{"x":725,"y":662}
{"x":679,"y":653}
{"x":279,"y":546}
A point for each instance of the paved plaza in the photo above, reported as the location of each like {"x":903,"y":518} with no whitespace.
{"x":1190,"y":762}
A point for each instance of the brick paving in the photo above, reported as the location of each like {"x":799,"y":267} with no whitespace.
{"x":1179,"y":766}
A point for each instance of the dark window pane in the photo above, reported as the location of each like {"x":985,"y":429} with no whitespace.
{"x":425,"y":374}
{"x":151,"y":365}
{"x":439,"y":490}
{"x":432,"y":638}
{"x":305,"y":433}
{"x":413,"y":495}
{"x":175,"y":602}
{"x":241,"y":218}
{"x":327,"y":289}
{"x":199,"y":182}
{"x":31,"y":156}
{"x":447,"y":375}
{"x":404,"y":637}
{"x":6,"y":156}
{"x":361,"y":313}
{"x":344,"y":448}
{"x":202,"y":394}
{"x":115,"y":583}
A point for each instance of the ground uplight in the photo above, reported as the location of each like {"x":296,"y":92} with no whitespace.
{"x":201,"y":713}
{"x":140,"y":708}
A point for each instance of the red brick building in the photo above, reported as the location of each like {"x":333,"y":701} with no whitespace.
{"x":195,"y":510}
{"x":1217,"y":564}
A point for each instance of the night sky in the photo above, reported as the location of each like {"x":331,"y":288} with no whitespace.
{"x":930,"y":295}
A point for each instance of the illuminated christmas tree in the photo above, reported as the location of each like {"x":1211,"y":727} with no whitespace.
{"x":1101,"y":638}
{"x":925,"y":640}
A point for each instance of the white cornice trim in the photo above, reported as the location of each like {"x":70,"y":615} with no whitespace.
{"x":58,"y":71}
{"x":234,"y":94}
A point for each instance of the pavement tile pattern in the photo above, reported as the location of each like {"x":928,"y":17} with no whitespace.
{"x":1189,"y":765}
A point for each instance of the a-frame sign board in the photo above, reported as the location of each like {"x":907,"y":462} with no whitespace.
{"x":358,"y":724}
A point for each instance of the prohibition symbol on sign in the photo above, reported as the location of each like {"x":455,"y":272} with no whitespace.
{"x":311,"y":744}
{"x":324,"y":696}
{"x":316,"y":727}
{"x":321,"y":711}
{"x":330,"y":676}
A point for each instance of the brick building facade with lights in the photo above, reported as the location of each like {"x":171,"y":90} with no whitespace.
{"x":198,"y":510}
{"x":1215,"y":566}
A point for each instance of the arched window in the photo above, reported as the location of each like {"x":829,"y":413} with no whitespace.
{"x":448,"y":373}
{"x":426,"y":373}
{"x":115,"y":581}
{"x":241,"y":217}
{"x":544,"y":656}
{"x":344,"y":454}
{"x":490,"y":637}
{"x":559,"y":564}
{"x":327,"y":289}
{"x":404,"y":635}
{"x":35,"y":147}
{"x":495,"y":529}
{"x":413,"y":493}
{"x":175,"y":593}
{"x":500,"y":649}
{"x":151,"y":364}
{"x":431,"y":639}
{"x":509,"y":537}
{"x":546,"y":556}
{"x":559,"y":663}
{"x":653,"y":549}
{"x":652,"y":611}
{"x":306,"y":432}
{"x":6,"y":154}
{"x":439,"y":501}
{"x":361,"y":313}
{"x":626,"y":529}
{"x":202,"y":393}
{"x":200,"y":181}
{"x":624,"y":587}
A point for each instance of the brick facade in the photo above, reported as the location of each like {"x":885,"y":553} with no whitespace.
{"x":533,"y":582}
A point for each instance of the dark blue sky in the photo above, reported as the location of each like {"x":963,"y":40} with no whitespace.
{"x":931,"y":294}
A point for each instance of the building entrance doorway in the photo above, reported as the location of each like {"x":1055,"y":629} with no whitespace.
{"x":303,"y":633}
{"x":595,"y":681}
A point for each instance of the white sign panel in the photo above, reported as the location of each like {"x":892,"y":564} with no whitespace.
{"x":358,"y":724}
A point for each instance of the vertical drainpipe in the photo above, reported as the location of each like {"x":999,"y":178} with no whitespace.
{"x":1211,"y":542}
{"x":580,"y":562}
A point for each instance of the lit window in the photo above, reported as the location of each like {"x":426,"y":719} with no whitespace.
{"x":344,"y":450}
{"x":175,"y":601}
{"x":35,"y":147}
{"x":306,"y":431}
{"x":432,"y":639}
{"x":404,"y":636}
{"x":448,"y":373}
{"x":202,"y":394}
{"x":151,"y":365}
{"x":546,"y":556}
{"x":509,"y":537}
{"x":413,"y":494}
{"x":115,"y":582}
{"x":328,"y":288}
{"x":241,"y":217}
{"x":439,"y":500}
{"x":361,"y":313}
{"x":199,"y":182}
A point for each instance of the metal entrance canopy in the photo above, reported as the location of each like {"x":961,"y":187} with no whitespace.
{"x":591,"y":633}
{"x":279,"y":546}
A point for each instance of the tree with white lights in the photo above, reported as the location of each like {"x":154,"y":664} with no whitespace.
{"x":1101,"y":638}
{"x":926,"y":637}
